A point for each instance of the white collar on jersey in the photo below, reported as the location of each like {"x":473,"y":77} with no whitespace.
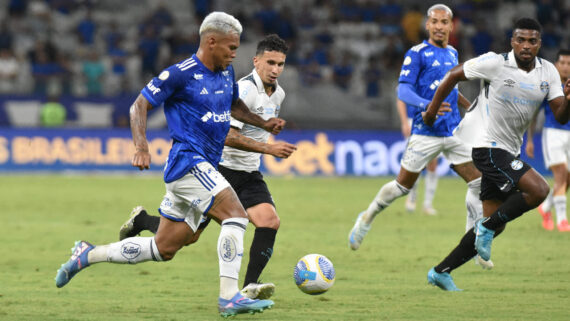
{"x":511,"y":62}
{"x":259,"y":83}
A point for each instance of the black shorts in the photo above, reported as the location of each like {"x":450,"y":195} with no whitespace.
{"x":249,"y":187}
{"x":501,"y":172}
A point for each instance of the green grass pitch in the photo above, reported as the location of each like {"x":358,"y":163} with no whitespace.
{"x":42,"y":216}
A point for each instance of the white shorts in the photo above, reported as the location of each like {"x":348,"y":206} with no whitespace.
{"x":555,"y":146}
{"x":421,"y":149}
{"x":189,"y":198}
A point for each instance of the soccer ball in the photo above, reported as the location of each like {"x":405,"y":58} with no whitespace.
{"x":314,"y":274}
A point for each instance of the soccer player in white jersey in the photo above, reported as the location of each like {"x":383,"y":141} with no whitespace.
{"x":407,"y":113}
{"x":199,"y":95}
{"x":240,"y":163}
{"x":423,"y":68}
{"x":516,"y":84}
{"x":556,"y":152}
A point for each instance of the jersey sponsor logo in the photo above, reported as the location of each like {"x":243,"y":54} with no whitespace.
{"x":407,"y":60}
{"x":130,"y":251}
{"x":164,"y":75}
{"x":198,"y":76}
{"x":217,"y":118}
{"x":428,"y":53}
{"x":516,"y":164}
{"x":404,"y":72}
{"x":544,"y":86}
{"x":509,"y":82}
{"x":504,"y":186}
{"x":505,"y":97}
{"x":152,"y":88}
{"x":259,"y":109}
{"x":435,"y":63}
{"x":204,"y":91}
{"x":526,"y":86}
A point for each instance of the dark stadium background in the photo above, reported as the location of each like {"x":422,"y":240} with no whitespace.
{"x":94,"y":56}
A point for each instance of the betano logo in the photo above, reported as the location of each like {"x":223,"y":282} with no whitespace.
{"x":218,"y":118}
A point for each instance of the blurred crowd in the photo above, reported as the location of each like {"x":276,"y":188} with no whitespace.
{"x":110,"y":47}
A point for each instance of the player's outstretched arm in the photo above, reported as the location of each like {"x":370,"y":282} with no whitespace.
{"x":451,"y":79}
{"x":559,"y":105}
{"x":138,"y":116}
{"x":242,"y":113}
{"x":277,"y":149}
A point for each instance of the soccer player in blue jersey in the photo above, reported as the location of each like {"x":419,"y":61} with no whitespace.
{"x":262,"y":94}
{"x":199,"y":95}
{"x":423,"y":68}
{"x":406,"y":113}
{"x":556,"y":152}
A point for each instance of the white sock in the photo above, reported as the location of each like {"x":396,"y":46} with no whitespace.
{"x":473,"y":203}
{"x":131,"y":250}
{"x":230,"y":253}
{"x":431,"y":185}
{"x":548,"y":202}
{"x":560,"y":207}
{"x":386,"y":195}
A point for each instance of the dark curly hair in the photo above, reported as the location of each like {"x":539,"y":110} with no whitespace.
{"x":528,"y":24}
{"x":272,"y":43}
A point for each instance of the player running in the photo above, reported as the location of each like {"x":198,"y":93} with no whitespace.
{"x":199,"y":94}
{"x":516,"y":83}
{"x":423,"y":68}
{"x":240,"y":163}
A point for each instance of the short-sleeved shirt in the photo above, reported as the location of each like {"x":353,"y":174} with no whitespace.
{"x":514,"y":96}
{"x":253,"y":94}
{"x":424,"y":67}
{"x":197,"y":105}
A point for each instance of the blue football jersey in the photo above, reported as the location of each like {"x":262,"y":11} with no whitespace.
{"x":550,"y":121}
{"x":424,"y":67}
{"x":197,"y":105}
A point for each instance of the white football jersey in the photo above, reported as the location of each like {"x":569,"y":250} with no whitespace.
{"x":253,"y":94}
{"x":513,"y":96}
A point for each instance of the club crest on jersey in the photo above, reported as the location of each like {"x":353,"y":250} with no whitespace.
{"x":544,"y":86}
{"x":516,"y":164}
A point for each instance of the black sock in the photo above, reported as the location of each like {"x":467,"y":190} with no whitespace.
{"x":462,"y":253}
{"x":144,"y":222}
{"x":259,"y":253}
{"x":513,"y":207}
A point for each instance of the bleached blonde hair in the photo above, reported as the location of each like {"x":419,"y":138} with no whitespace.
{"x":222,"y":22}
{"x":440,"y":6}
